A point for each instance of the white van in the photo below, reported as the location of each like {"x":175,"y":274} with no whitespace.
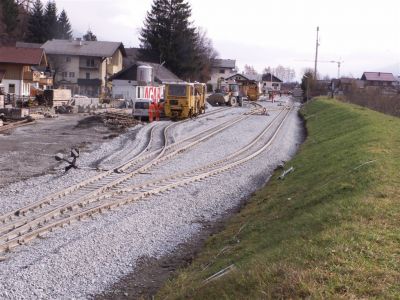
{"x":141,"y":108}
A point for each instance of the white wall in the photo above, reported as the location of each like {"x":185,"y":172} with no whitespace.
{"x":124,"y":88}
{"x":17,"y":84}
{"x":129,"y":90}
{"x":64,"y":66}
{"x":275,"y":86}
{"x":215,"y":75}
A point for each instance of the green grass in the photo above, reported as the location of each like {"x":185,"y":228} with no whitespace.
{"x":331,"y":229}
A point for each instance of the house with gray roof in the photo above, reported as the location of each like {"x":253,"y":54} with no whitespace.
{"x":84,"y":67}
{"x":220,"y":70}
{"x":126,"y":84}
{"x":245,"y":79}
{"x":270,"y":82}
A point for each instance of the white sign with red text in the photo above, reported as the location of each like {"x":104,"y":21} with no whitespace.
{"x":154,"y":93}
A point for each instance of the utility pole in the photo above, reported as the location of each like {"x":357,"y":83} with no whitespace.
{"x":316,"y":55}
{"x":338,"y":69}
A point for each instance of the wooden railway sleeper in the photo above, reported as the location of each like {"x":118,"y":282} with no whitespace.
{"x":145,"y":195}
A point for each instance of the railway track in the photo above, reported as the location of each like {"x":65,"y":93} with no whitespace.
{"x":15,"y":125}
{"x":120,"y":196}
{"x":128,"y":154}
{"x":22,"y":219}
{"x":139,"y":163}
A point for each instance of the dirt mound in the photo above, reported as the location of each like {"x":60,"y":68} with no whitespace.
{"x":217,"y":99}
{"x":89,"y":122}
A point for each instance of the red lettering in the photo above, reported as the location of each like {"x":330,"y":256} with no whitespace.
{"x":151,"y":93}
{"x":158,"y":94}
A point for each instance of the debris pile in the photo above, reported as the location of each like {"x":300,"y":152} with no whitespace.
{"x":117,"y":120}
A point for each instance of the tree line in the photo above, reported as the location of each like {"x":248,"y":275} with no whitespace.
{"x":37,"y":23}
{"x":168,"y":35}
{"x":44,"y":23}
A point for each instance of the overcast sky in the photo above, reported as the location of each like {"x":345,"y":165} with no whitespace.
{"x":363,"y":34}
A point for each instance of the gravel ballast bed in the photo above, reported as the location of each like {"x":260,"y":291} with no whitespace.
{"x":88,"y":257}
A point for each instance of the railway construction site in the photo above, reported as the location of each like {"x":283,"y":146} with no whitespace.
{"x":141,"y":196}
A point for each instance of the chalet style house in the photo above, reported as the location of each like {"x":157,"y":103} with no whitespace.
{"x":22,"y":70}
{"x":84,"y":67}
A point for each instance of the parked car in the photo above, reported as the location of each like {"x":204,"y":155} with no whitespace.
{"x":141,"y":108}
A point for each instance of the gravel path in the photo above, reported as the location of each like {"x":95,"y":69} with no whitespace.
{"x":89,"y":256}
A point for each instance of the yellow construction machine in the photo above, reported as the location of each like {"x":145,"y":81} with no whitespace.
{"x":184,"y":100}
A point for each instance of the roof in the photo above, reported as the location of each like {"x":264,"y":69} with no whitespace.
{"x":83,"y":48}
{"x":27,"y":45}
{"x":255,"y":77}
{"x":22,"y":56}
{"x":246,"y":77}
{"x":378,"y":76}
{"x":161,"y":73}
{"x":131,"y":56}
{"x":224,"y":63}
{"x":270,"y":77}
{"x":2,"y":73}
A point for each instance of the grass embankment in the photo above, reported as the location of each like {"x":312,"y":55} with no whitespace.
{"x":330,"y":229}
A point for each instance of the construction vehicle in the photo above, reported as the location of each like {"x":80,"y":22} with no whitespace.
{"x":184,"y":100}
{"x":252,"y":91}
{"x":227,"y":93}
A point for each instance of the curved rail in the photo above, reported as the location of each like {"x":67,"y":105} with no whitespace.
{"x":113,"y":177}
{"x":26,"y":232}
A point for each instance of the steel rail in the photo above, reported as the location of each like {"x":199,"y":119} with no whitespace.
{"x":47,"y":200}
{"x":15,"y":239}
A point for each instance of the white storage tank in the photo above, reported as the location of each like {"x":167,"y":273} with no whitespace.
{"x":144,"y":74}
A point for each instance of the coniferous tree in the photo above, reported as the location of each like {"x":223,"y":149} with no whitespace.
{"x":64,"y":31}
{"x":89,"y":36}
{"x":10,"y":15}
{"x":36,"y":24}
{"x":50,"y":20}
{"x":168,"y":35}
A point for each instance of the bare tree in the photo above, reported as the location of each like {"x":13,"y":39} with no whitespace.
{"x":206,"y":52}
{"x":57,"y":65}
{"x":250,"y":70}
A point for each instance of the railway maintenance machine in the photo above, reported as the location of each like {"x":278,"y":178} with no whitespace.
{"x":184,"y":100}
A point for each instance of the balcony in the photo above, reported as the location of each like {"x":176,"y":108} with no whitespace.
{"x":91,"y":67}
{"x":46,"y":81}
{"x":32,"y":76}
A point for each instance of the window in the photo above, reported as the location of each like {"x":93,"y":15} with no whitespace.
{"x":64,"y":74}
{"x":90,"y":62}
{"x":87,"y":75}
{"x":221,"y":71}
{"x":71,"y":74}
{"x":68,"y":59}
{"x":142,"y":105}
{"x":177,"y":90}
{"x":11,"y":88}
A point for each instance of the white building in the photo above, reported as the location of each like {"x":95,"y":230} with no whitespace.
{"x":220,"y":70}
{"x":127,"y":85}
{"x":271,"y":82}
{"x":84,"y":66}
